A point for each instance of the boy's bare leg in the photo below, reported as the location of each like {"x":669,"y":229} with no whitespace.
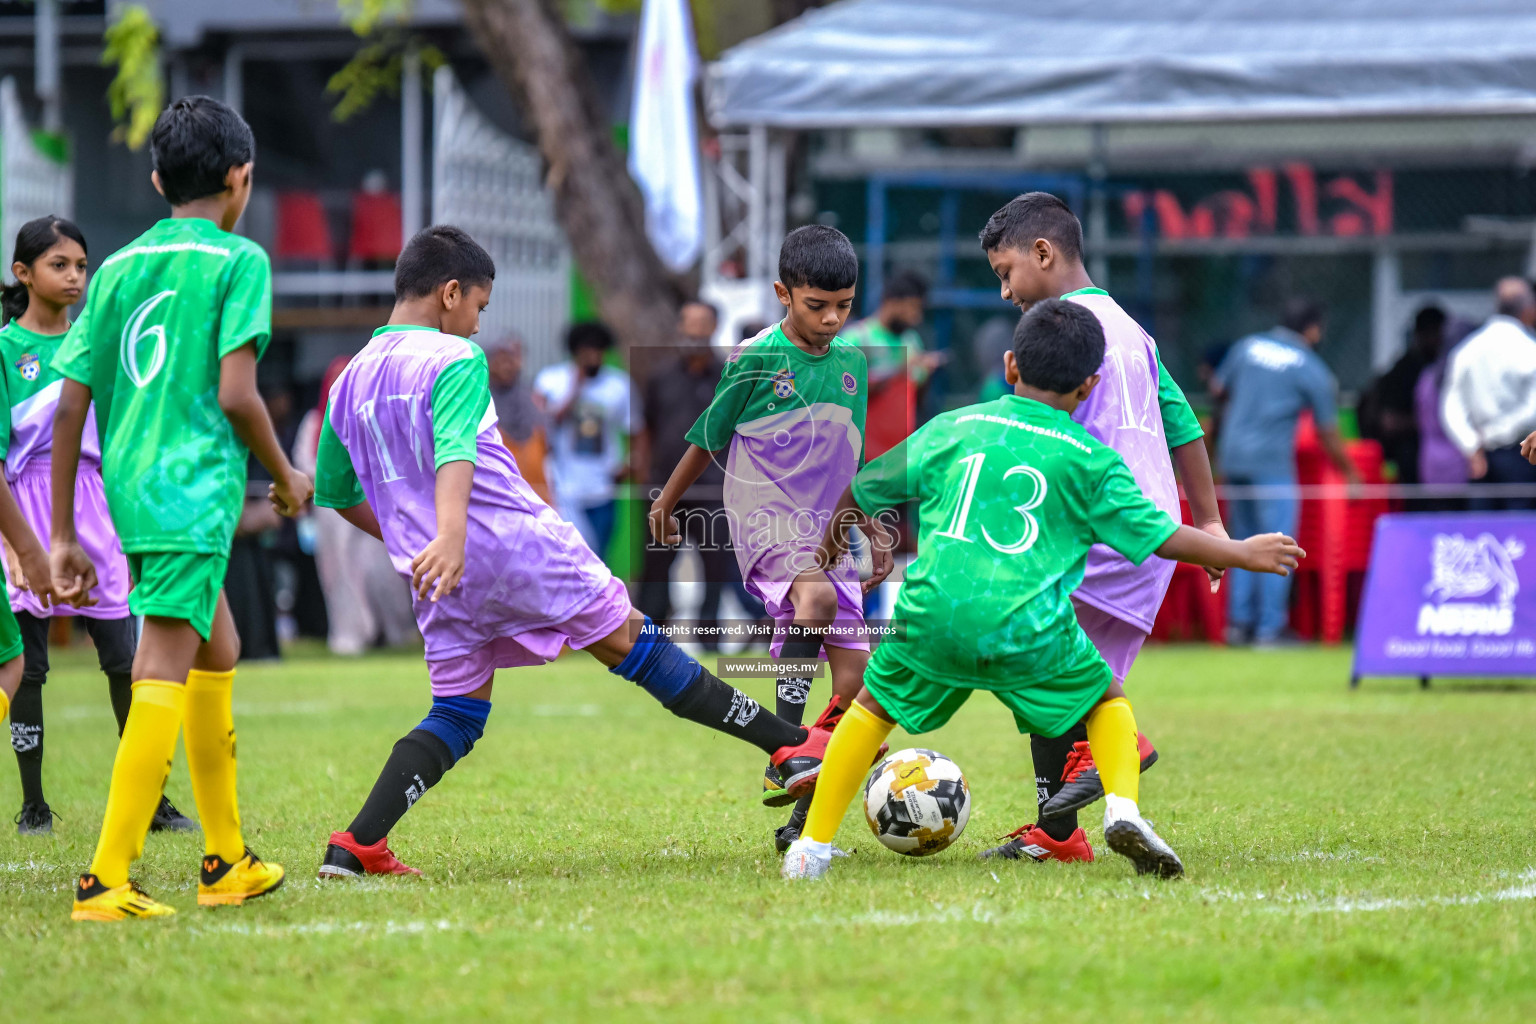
{"x":846,"y":664}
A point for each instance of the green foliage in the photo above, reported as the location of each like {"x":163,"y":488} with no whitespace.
{"x":376,"y":68}
{"x":137,"y":92}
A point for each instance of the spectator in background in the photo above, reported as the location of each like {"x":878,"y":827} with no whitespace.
{"x":991,"y":340}
{"x":674,"y":397}
{"x":1387,"y":412}
{"x":365,"y":599}
{"x":517,"y":414}
{"x":1440,"y":462}
{"x":1266,"y":381}
{"x":1489,"y":401}
{"x":899,"y":366}
{"x":587,"y":406}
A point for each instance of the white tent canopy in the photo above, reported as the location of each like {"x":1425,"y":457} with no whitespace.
{"x":894,"y":63}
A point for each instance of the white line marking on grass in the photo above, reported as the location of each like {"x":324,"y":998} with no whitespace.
{"x":385,"y":928}
{"x":14,"y":866}
{"x":1304,"y":904}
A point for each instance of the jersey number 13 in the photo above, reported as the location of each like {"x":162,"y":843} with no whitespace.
{"x":956,"y":529}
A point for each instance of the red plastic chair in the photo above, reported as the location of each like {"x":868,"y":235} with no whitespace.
{"x":375,"y":227}
{"x":1190,"y":611}
{"x":303,"y":232}
{"x":1336,"y":533}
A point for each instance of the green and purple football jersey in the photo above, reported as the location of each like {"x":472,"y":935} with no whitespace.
{"x":794,"y":426}
{"x":1140,"y":412}
{"x":411,"y":401}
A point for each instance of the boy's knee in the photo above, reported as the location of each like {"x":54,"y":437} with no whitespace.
{"x":816,"y":604}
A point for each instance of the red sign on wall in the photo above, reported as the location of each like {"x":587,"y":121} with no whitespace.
{"x":1342,"y":207}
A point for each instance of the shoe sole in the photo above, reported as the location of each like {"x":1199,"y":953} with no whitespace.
{"x":1056,"y":808}
{"x":234,"y":899}
{"x":777,"y":798}
{"x":108,"y":916}
{"x":335,"y":872}
{"x":1128,"y":841}
{"x":797,"y":786}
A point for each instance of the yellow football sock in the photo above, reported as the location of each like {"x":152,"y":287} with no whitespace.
{"x":852,"y":747}
{"x":210,"y":741}
{"x":138,"y":776}
{"x":5,"y":705}
{"x":1112,"y":739}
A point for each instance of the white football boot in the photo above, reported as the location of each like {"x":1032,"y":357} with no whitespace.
{"x":1129,"y":835}
{"x":808,"y":859}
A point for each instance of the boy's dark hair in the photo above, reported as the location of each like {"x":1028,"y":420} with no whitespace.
{"x":906,"y":284}
{"x":1030,"y":216}
{"x":1058,"y":345}
{"x":592,"y":334}
{"x":1301,"y":313}
{"x":817,"y":256}
{"x":439,"y":254}
{"x":194,"y":143}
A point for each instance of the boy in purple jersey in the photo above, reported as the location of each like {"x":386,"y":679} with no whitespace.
{"x":1035,"y":246}
{"x":409,"y":452}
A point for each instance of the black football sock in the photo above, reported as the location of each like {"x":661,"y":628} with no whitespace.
{"x":27,"y":739}
{"x":1050,"y":757}
{"x":414,"y":766}
{"x":800,"y":644}
{"x":726,"y":709}
{"x":797,"y":816}
{"x":120,"y":689}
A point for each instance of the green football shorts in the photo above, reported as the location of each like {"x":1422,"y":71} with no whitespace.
{"x":919,"y":704}
{"x":177,"y":585}
{"x":10,"y":632}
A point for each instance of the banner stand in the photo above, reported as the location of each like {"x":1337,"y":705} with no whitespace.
{"x":1449,"y":594}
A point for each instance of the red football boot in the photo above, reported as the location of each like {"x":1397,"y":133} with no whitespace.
{"x":1033,"y":843}
{"x":345,"y":857}
{"x":1083,"y":785}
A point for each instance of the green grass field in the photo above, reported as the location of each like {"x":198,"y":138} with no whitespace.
{"x":1360,"y":855}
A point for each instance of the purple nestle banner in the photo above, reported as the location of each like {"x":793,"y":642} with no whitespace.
{"x":1450,"y":594}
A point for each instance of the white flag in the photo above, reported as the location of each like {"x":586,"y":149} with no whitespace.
{"x":663,"y":137}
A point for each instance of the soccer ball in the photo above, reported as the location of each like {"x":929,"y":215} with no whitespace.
{"x":917,"y":802}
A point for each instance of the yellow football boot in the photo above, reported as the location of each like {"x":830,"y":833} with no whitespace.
{"x":223,"y":884}
{"x":95,"y":902}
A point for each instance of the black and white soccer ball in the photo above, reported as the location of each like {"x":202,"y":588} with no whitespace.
{"x":917,"y":802}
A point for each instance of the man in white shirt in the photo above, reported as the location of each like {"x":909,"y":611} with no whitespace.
{"x":1489,"y":400}
{"x":586,"y":403}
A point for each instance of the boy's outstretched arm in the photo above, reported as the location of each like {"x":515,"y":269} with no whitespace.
{"x":70,"y":569}
{"x":1267,"y":552}
{"x":664,"y":528}
{"x":247,"y":414}
{"x":442,"y":560}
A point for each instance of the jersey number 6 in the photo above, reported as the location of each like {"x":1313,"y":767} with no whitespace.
{"x":957,"y":523}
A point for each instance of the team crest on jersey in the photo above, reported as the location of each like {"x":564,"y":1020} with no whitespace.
{"x":784,"y":383}
{"x":850,"y":385}
{"x":28,"y":366}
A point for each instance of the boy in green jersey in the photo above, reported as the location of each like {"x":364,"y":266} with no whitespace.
{"x":167,"y":348}
{"x":789,"y":415}
{"x":1011,"y":495}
